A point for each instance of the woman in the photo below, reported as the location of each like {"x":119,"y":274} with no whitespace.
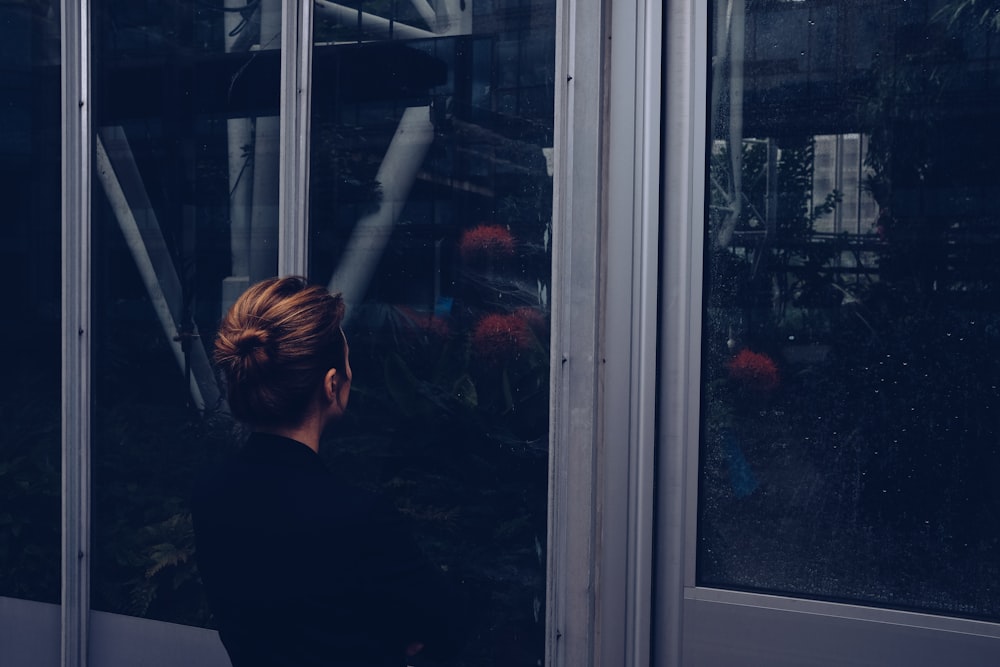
{"x":300,"y":569}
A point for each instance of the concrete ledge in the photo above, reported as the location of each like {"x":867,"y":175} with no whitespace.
{"x":30,"y":637}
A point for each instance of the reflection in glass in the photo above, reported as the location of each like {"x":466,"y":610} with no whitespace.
{"x":185,"y":219}
{"x":431,"y":210}
{"x":30,"y":270}
{"x":851,"y":382}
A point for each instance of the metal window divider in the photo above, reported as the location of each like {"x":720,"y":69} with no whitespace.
{"x":603,"y":414}
{"x":631,"y":328}
{"x":76,"y":153}
{"x":576,"y":385}
{"x":685,"y":90}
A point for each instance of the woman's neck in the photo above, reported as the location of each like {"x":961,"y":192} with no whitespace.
{"x":308,"y":431}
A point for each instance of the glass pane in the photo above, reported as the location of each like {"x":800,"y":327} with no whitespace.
{"x":30,"y":458}
{"x":185,"y":209}
{"x":851,"y":382}
{"x":431,"y":210}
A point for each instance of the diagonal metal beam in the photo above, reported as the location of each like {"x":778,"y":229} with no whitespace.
{"x":122,"y":183}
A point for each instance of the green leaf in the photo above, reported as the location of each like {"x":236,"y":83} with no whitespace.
{"x":464,"y":391}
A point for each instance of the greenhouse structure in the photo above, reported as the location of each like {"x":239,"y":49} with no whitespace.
{"x":674,"y":323}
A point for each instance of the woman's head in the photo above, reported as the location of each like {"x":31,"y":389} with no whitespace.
{"x":275,"y":348}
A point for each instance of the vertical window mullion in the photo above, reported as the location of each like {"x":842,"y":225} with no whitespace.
{"x":685,"y":76}
{"x":296,"y":84}
{"x":77,"y":147}
{"x":576,"y":383}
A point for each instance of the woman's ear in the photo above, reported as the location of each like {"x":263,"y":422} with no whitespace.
{"x":331,"y":386}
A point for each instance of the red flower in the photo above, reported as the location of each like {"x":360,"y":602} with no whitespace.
{"x":756,"y":372}
{"x":486,"y":242}
{"x":497,"y":337}
{"x":534,"y":318}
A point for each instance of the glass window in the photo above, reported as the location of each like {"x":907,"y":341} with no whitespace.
{"x":30,"y":266}
{"x":850,"y":377}
{"x":185,"y":218}
{"x":431,"y":210}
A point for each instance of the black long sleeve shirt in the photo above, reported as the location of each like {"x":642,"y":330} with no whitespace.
{"x":301,"y":570}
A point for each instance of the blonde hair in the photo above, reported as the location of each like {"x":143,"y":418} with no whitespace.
{"x":274,"y":347}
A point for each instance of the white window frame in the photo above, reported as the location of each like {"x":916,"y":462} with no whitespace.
{"x":696,"y":625}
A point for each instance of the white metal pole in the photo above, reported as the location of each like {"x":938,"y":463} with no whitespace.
{"x":239,"y":135}
{"x":396,"y":174}
{"x":264,"y":216}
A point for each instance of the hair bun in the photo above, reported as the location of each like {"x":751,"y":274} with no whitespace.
{"x":252,"y":343}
